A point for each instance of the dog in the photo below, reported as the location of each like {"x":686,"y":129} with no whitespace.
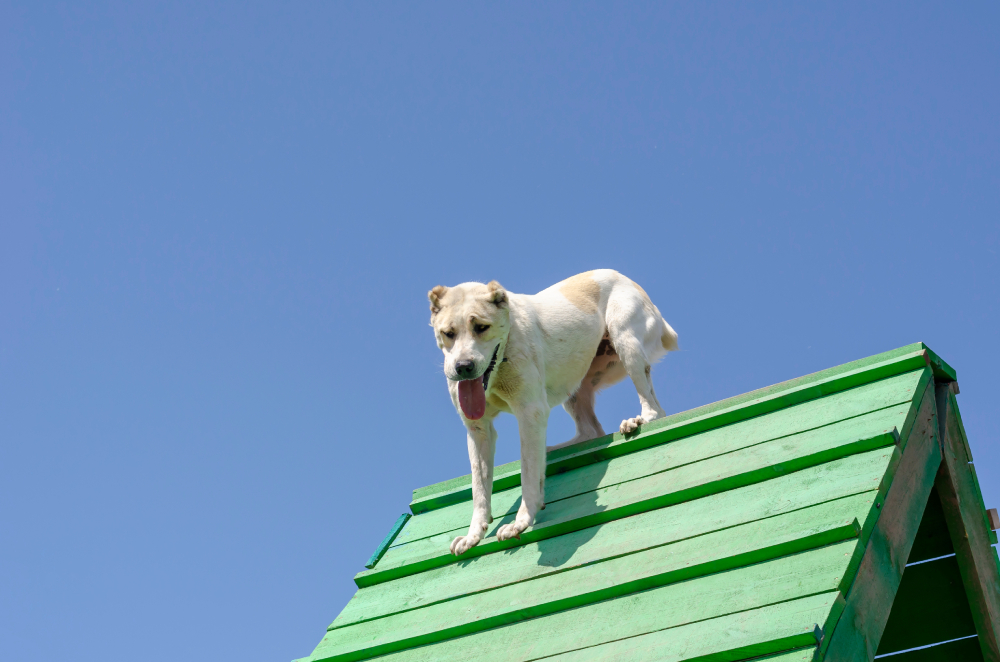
{"x":525,"y":354}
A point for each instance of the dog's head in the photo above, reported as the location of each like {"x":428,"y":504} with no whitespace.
{"x":470,"y":322}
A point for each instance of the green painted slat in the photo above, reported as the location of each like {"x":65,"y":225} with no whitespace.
{"x":728,"y":638}
{"x":753,"y":465}
{"x":581,"y":585}
{"x":930,"y":607}
{"x":801,"y":655}
{"x":788,"y":578}
{"x":644,"y":570}
{"x":727,"y":513}
{"x":726,"y":412}
{"x":874,"y":400}
{"x":933,"y":539}
{"x":384,"y":545}
{"x":966,"y":650}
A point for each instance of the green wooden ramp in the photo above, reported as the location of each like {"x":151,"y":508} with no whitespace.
{"x":832,"y":517}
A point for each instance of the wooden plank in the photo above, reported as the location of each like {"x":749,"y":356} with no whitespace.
{"x":384,"y":545}
{"x":685,"y":560}
{"x":965,"y":650}
{"x":869,"y":466}
{"x":933,"y":539}
{"x":746,"y":467}
{"x":595,"y":508}
{"x":728,"y":638}
{"x":962,"y":504}
{"x":800,"y":655}
{"x":930,"y":607}
{"x":684,"y":457}
{"x":870,"y":598}
{"x":787,"y":578}
{"x":677,"y":426}
{"x":728,"y":512}
{"x":994,"y":519}
{"x":660,"y":566}
{"x":877,"y":406}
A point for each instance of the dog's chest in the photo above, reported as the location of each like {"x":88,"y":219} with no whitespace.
{"x":505,"y":385}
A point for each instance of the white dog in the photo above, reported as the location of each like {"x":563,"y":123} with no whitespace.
{"x":525,"y":354}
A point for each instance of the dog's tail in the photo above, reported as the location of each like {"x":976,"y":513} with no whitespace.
{"x":668,"y":337}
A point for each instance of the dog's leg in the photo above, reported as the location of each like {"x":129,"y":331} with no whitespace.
{"x":580,"y":407}
{"x":638,"y":366}
{"x":482,"y":444}
{"x":531,"y":422}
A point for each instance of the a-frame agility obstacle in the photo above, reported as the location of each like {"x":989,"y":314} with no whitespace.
{"x":832,"y":517}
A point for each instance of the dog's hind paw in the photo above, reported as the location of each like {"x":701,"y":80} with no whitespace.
{"x":462,"y":544}
{"x":630,"y":425}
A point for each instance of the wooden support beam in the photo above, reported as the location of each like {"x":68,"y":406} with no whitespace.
{"x":869,"y":600}
{"x":968,"y":525}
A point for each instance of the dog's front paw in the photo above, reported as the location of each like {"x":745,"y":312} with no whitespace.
{"x":512,"y":530}
{"x":630,"y":425}
{"x":462,"y":544}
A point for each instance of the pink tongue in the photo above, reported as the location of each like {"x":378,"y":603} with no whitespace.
{"x":472,"y":398}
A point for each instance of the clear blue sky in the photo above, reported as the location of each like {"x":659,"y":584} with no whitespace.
{"x":218,"y":226}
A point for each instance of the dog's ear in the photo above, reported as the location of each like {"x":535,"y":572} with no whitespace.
{"x":497,"y":295}
{"x":435,"y":298}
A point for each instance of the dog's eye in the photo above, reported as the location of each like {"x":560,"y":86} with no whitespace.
{"x":450,"y":335}
{"x":481,"y":328}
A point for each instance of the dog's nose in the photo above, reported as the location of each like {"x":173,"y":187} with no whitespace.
{"x":465,"y":369}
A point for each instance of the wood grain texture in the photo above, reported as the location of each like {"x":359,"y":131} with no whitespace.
{"x":930,"y":607}
{"x":835,"y":495}
{"x":589,"y":584}
{"x":742,"y":589}
{"x":580,"y":585}
{"x":728,"y":638}
{"x":800,"y":655}
{"x":746,"y":467}
{"x":962,"y":504}
{"x":733,"y":410}
{"x":869,"y":601}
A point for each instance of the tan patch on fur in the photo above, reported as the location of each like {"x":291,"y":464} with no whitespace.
{"x":507,"y":383}
{"x":582,"y":291}
{"x":668,"y":341}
